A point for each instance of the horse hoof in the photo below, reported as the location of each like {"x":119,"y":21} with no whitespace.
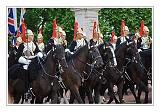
{"x":145,"y":102}
{"x":122,"y":102}
{"x":138,"y":102}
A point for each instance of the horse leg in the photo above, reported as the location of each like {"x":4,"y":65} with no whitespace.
{"x":82,"y":93}
{"x":72,"y":97}
{"x":112,"y":95}
{"x":146,"y":92}
{"x":54,"y":97}
{"x":22,"y":99}
{"x":125,"y":87}
{"x":17,"y":99}
{"x":120,"y":88}
{"x":139,"y":96}
{"x":102,"y":93}
{"x":75,"y":92}
{"x":97,"y":94}
{"x":131,"y":87}
{"x":39,"y":100}
{"x":89,"y":94}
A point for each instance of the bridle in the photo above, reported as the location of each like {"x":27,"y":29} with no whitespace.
{"x":57,"y":62}
{"x":92,"y":66}
{"x":108,"y":63}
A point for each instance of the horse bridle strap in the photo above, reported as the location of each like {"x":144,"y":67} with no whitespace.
{"x":53,"y":76}
{"x":82,"y":77}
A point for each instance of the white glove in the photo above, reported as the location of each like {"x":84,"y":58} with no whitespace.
{"x":24,"y":60}
{"x":67,"y":50}
{"x":139,"y":50}
{"x":39,"y":54}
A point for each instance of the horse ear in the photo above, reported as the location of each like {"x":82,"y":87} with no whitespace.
{"x":53,"y":47}
{"x":127,"y":43}
{"x":104,"y":46}
{"x":89,"y":47}
{"x":86,"y":42}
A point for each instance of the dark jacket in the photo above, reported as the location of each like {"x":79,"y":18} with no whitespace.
{"x":139,"y":41}
{"x":119,"y":41}
{"x":72,"y":46}
{"x":20,"y":50}
{"x":92,"y":43}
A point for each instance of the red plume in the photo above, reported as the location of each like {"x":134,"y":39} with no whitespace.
{"x":94,"y":27}
{"x":141,"y":28}
{"x":54,"y":29}
{"x":75,"y":30}
{"x":122,"y":27}
{"x":23,"y":31}
{"x":112,"y":38}
{"x":40,"y":30}
{"x":18,"y":33}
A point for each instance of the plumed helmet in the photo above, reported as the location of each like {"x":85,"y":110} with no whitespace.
{"x":126,"y":28}
{"x":39,"y":36}
{"x":19,"y":39}
{"x":145,"y":28}
{"x":29,"y":32}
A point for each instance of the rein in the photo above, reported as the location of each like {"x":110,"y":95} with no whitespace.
{"x":90,"y":65}
{"x":53,"y":76}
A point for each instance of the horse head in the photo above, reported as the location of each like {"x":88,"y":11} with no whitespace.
{"x":59,"y":55}
{"x":108,"y":55}
{"x":132,"y":51}
{"x":95,"y":57}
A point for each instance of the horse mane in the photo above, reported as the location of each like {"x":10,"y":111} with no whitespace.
{"x":79,"y":51}
{"x":120,"y":46}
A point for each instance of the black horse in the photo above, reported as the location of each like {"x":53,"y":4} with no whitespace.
{"x":12,"y":57}
{"x":74,"y":77}
{"x":45,"y":77}
{"x":146,"y":57}
{"x":47,"y":81}
{"x":97,"y":76}
{"x":111,"y":74}
{"x":129,"y":63}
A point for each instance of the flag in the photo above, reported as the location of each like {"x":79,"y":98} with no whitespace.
{"x":18,"y":33}
{"x":122,"y":27}
{"x":23,"y":32}
{"x":54,"y":29}
{"x":14,"y":39}
{"x":75,"y":29}
{"x":23,"y":13}
{"x":94,"y":27}
{"x":22,"y":28}
{"x":141,"y":28}
{"x":12,"y":20}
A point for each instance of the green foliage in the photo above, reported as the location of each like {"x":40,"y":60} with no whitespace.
{"x":108,"y":18}
{"x":111,"y":17}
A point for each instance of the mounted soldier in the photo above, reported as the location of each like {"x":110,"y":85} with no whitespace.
{"x":79,"y":40}
{"x":58,"y":37}
{"x":145,"y":42}
{"x":124,"y":34}
{"x":30,"y":49}
{"x":40,"y":42}
{"x":97,"y":37}
{"x":113,"y":40}
{"x":19,"y":47}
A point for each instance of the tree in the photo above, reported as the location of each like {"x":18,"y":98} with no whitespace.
{"x":111,"y":17}
{"x":108,"y":18}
